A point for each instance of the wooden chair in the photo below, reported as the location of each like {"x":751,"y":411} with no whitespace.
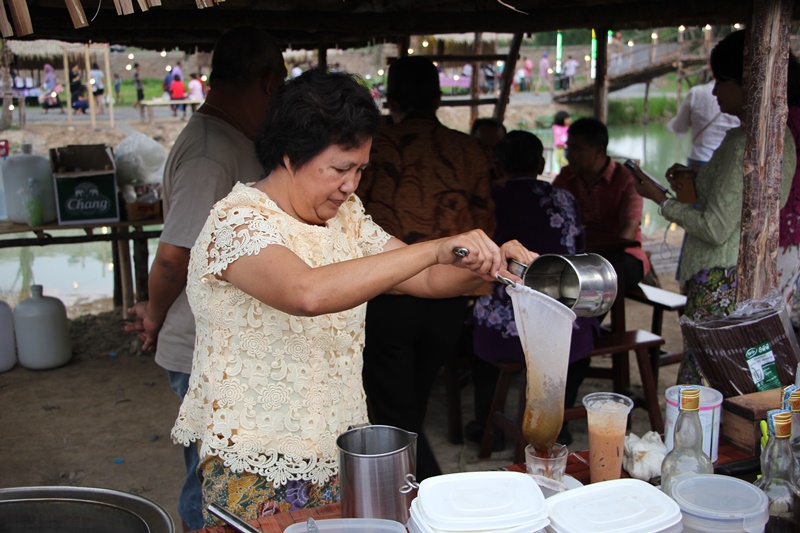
{"x":660,"y":300}
{"x":639,"y":341}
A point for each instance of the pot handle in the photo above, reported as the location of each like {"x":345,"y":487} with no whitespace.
{"x":411,"y":484}
{"x":463,"y":252}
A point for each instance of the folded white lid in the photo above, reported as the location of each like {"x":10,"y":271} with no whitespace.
{"x":350,"y":525}
{"x":471,"y":501}
{"x":618,"y":506}
{"x":417,"y":524}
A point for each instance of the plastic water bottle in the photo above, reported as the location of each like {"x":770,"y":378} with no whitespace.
{"x":17,"y":171}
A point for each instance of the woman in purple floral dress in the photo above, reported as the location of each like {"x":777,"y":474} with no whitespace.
{"x":541,"y":218}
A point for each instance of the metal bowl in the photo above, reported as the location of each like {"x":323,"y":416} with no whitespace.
{"x":79,"y":510}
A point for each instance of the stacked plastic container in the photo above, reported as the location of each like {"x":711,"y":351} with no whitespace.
{"x":479,"y":502}
{"x":618,"y":506}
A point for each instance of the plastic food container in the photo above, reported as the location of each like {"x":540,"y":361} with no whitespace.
{"x":350,"y":525}
{"x":618,"y":506}
{"x":710,"y":409}
{"x":476,"y":501}
{"x":711,"y":502}
{"x":417,"y":524}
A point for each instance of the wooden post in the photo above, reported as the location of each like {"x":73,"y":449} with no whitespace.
{"x":5,"y":25}
{"x":474,"y":82}
{"x":601,"y":77}
{"x":508,"y":77}
{"x":89,"y":93}
{"x":109,"y":86}
{"x":322,"y":58}
{"x":67,"y":88}
{"x":765,"y":71}
{"x":646,"y":109}
{"x":76,"y":14}
{"x":21,"y":17}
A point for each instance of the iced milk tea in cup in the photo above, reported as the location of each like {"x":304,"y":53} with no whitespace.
{"x":607,"y":417}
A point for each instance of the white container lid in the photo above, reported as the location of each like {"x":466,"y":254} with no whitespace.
{"x":470,"y":501}
{"x":728,"y":503}
{"x":417,"y":524}
{"x":619,"y":506}
{"x":350,"y":525}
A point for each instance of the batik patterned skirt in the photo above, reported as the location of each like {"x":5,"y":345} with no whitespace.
{"x":251,"y":496}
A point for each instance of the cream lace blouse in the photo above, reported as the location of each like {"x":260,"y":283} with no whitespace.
{"x":270,"y":392}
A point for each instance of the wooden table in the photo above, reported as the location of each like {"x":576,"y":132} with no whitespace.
{"x":149,"y":104}
{"x":577,"y":467}
{"x":120,"y":233}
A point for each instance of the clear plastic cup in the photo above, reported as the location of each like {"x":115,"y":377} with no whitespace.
{"x":551,"y":467}
{"x":607,"y":416}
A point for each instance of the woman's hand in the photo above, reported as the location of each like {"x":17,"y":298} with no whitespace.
{"x":514,"y":250}
{"x":677,"y":171}
{"x":483,"y":256}
{"x":647,"y":189}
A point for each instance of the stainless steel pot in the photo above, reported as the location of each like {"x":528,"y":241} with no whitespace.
{"x":377,"y":465}
{"x":586,"y":283}
{"x":79,"y":510}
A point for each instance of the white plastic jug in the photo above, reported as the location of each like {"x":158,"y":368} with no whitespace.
{"x":16,"y":171}
{"x":8,"y":349}
{"x":42,"y":329}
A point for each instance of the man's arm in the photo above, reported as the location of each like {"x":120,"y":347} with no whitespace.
{"x":167,"y":280}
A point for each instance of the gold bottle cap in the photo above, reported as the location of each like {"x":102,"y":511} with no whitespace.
{"x":689,"y":398}
{"x":783,"y":425}
{"x":794,"y":401}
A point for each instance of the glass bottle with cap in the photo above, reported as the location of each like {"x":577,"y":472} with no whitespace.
{"x":778,"y":479}
{"x":792,"y":403}
{"x":686,"y":457}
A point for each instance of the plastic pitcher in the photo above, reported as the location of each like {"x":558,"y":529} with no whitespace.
{"x":377,"y":469}
{"x":545,"y":330}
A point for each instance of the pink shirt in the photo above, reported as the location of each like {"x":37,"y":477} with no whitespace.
{"x":560,"y":136}
{"x":790,"y":214}
{"x":608,"y":204}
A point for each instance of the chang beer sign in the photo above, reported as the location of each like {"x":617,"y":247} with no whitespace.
{"x":89,"y":197}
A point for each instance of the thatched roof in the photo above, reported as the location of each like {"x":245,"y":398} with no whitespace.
{"x":33,"y":54}
{"x":345,"y":23}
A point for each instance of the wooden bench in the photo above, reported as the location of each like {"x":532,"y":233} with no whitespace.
{"x":660,"y":300}
{"x":639,"y":341}
{"x":160,"y":102}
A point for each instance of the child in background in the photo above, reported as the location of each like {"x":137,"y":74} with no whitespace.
{"x":560,"y":127}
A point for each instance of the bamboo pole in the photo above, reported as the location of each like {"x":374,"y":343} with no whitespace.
{"x":76,"y":14}
{"x":21,"y":17}
{"x":67,"y":85}
{"x":143,"y":5}
{"x":765,"y":71}
{"x":474,"y":87}
{"x":508,"y":77}
{"x":601,"y":77}
{"x":5,"y":26}
{"x":126,"y":6}
{"x":89,"y":92}
{"x":109,"y":85}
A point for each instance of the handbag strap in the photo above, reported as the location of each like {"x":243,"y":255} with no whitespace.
{"x":710,"y":122}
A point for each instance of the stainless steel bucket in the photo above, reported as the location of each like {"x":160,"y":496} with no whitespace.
{"x":586,"y":283}
{"x":377,"y":465}
{"x":79,"y":510}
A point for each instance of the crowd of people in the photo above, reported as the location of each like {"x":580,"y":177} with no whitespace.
{"x":305,"y":280}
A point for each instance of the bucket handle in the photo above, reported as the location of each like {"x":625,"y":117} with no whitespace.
{"x":411,"y":484}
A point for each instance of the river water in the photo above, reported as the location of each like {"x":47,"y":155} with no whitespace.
{"x":81,"y":273}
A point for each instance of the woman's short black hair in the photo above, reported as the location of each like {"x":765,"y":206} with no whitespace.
{"x":727,"y":58}
{"x":312,"y":112}
{"x":560,"y":118}
{"x":727,"y":63}
{"x":520,"y":152}
{"x":486,"y":121}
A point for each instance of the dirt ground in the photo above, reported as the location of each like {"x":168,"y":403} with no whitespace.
{"x":103,"y":420}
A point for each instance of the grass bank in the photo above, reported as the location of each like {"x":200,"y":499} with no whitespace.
{"x":631,"y":110}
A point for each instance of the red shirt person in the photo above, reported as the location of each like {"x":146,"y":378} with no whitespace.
{"x":607,"y":199}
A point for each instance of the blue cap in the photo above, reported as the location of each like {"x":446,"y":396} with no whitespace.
{"x":545,"y":54}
